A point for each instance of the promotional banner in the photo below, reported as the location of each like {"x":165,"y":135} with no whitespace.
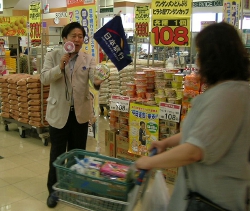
{"x":142,"y":20}
{"x":231,"y":12}
{"x":111,"y":38}
{"x":171,"y":23}
{"x":143,"y":128}
{"x":84,"y":12}
{"x":35,"y":21}
{"x":13,"y":26}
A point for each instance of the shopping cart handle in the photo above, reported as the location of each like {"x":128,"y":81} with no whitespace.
{"x":143,"y":171}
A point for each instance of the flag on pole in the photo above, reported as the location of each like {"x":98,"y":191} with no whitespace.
{"x":111,"y":38}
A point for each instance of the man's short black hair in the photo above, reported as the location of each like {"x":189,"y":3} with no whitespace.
{"x":141,"y":122}
{"x":69,"y":27}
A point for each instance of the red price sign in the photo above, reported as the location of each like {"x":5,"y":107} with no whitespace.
{"x":141,"y":29}
{"x":171,"y":32}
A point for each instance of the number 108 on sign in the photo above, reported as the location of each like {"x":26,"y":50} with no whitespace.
{"x":174,"y":32}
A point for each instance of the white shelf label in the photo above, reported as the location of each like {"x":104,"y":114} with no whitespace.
{"x":170,"y":112}
{"x":119,"y":103}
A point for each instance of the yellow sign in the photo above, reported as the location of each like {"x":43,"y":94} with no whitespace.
{"x":171,"y":22}
{"x":13,"y":26}
{"x":86,"y":16}
{"x":143,"y":128}
{"x":35,"y":21}
{"x":142,"y":20}
{"x":231,"y":12}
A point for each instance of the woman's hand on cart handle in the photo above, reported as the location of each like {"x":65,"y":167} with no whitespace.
{"x":144,"y":171}
{"x":158,"y":145}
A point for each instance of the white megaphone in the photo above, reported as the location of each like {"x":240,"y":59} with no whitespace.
{"x":69,"y":47}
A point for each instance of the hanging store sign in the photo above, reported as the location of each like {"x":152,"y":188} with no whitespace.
{"x":46,"y":8}
{"x":84,"y":12}
{"x":204,"y":24}
{"x":106,"y":10}
{"x":142,"y":20}
{"x":217,"y":3}
{"x":35,"y":21}
{"x":13,"y":26}
{"x":119,"y":103}
{"x":171,"y":23}
{"x":170,"y":112}
{"x":143,"y":128}
{"x":231,"y":12}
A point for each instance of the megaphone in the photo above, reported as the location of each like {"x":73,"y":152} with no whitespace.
{"x":69,"y":47}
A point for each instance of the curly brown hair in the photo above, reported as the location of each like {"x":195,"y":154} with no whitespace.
{"x":221,"y":54}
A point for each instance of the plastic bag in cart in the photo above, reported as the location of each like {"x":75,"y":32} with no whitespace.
{"x":156,"y":197}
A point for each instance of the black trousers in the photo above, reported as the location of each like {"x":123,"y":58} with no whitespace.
{"x":72,"y":136}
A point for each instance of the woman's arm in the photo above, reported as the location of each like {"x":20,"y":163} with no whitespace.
{"x":181,"y":155}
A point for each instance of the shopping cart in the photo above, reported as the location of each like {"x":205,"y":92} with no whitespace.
{"x":97,"y":194}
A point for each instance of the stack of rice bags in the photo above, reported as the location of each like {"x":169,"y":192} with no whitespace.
{"x":5,"y":106}
{"x":114,"y":82}
{"x":127,"y":75}
{"x":104,"y":92}
{"x":13,"y":95}
{"x":22,"y":100}
{"x":37,"y":103}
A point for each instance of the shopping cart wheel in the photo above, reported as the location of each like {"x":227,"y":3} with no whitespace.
{"x":22,"y":134}
{"x":45,"y":141}
{"x":6,"y":128}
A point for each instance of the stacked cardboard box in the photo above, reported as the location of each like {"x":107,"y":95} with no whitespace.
{"x":168,"y":128}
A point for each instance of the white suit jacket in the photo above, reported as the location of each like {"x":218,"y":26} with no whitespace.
{"x":58,"y":106}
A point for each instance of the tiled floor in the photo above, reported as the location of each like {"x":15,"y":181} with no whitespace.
{"x":24,"y":168}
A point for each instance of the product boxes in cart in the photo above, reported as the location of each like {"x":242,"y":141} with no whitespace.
{"x":102,"y":183}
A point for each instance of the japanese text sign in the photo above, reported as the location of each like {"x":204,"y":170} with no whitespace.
{"x":35,"y":20}
{"x":119,"y":103}
{"x":171,"y":22}
{"x":231,"y":12}
{"x":84,"y":12}
{"x":142,"y":20}
{"x":143,"y":128}
{"x":170,"y":112}
{"x":111,"y":38}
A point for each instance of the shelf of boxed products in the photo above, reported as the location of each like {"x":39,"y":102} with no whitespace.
{"x":192,"y":87}
{"x":23,"y":99}
{"x":148,"y":86}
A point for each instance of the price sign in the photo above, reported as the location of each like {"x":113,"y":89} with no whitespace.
{"x":171,"y":23}
{"x":171,"y":32}
{"x":170,"y":112}
{"x":119,"y":103}
{"x":142,"y":20}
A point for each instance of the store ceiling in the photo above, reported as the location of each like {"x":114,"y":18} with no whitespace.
{"x":23,"y":4}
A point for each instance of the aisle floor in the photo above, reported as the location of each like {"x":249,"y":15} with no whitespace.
{"x":24,"y":168}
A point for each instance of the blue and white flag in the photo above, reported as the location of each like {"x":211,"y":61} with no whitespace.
{"x":111,"y":38}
